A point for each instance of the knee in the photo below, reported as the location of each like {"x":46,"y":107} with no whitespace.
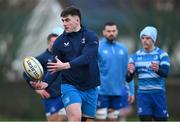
{"x":74,"y":116}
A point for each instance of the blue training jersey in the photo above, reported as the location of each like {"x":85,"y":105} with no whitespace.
{"x":149,"y":80}
{"x":112,"y":61}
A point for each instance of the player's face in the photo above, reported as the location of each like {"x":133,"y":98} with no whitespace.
{"x":70,"y":23}
{"x":110,"y":32}
{"x":147,"y":43}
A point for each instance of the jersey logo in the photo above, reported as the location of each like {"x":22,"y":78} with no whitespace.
{"x":155,"y":57}
{"x":105,"y":51}
{"x":83,"y":41}
{"x":140,"y":110}
{"x":139,"y":58}
{"x":121,"y":52}
{"x":66,"y":44}
{"x":66,"y":100}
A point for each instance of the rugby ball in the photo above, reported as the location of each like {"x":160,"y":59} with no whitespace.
{"x":33,"y":68}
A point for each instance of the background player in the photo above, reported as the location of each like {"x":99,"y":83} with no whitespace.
{"x":51,"y":97}
{"x":151,"y":65}
{"x":112,"y":60}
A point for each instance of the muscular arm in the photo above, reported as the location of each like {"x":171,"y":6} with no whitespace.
{"x":89,"y":51}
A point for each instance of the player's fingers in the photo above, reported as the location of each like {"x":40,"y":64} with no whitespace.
{"x":50,"y":64}
{"x":52,"y":70}
{"x":56,"y":58}
{"x":42,"y":96}
{"x":47,"y":95}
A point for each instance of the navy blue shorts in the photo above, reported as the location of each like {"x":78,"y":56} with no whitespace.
{"x":52,"y":105}
{"x":152,"y":104}
{"x":113,"y":102}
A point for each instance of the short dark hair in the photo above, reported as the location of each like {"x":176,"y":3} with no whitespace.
{"x":72,"y":10}
{"x":110,"y":23}
{"x":51,"y":35}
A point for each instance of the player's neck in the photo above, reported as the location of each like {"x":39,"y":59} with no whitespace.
{"x":77,"y":28}
{"x":149,"y":49}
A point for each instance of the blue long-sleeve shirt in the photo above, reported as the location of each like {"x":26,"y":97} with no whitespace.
{"x":113,"y":60}
{"x":80,"y":49}
{"x":149,"y":80}
{"x":54,"y":87}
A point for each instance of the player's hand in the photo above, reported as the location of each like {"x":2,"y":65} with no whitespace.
{"x":131,"y":68}
{"x":39,"y":84}
{"x":43,"y":93}
{"x":154,"y":66}
{"x":131,"y":99}
{"x":58,"y":66}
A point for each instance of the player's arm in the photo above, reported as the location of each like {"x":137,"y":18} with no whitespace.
{"x":43,"y":93}
{"x":51,"y":75}
{"x":164,"y":65}
{"x":90,"y":51}
{"x":131,"y":70}
{"x":34,"y":85}
{"x":131,"y":89}
{"x":163,"y":71}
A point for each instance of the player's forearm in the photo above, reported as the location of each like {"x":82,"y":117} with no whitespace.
{"x":49,"y":77}
{"x":163,"y":71}
{"x":129,"y":77}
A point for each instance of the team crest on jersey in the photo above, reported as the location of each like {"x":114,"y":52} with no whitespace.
{"x":66,"y":44}
{"x":155,"y":57}
{"x":139,"y":110}
{"x":105,"y":51}
{"x":139,"y":58}
{"x":121,"y":52}
{"x":83,"y":41}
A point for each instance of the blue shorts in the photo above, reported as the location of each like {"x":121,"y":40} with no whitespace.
{"x":52,"y":105}
{"x":113,"y":102}
{"x":124,"y":101}
{"x":152,"y":104}
{"x":87,"y":99}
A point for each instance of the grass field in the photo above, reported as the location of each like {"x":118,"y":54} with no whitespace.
{"x":20,"y":103}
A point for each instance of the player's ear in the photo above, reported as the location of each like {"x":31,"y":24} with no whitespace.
{"x":77,"y":19}
{"x":104,"y":32}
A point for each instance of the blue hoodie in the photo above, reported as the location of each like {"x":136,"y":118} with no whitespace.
{"x":112,"y":60}
{"x":80,"y":49}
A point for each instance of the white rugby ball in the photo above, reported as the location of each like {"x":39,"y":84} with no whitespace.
{"x":33,"y":68}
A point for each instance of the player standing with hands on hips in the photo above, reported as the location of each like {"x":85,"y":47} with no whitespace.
{"x":151,"y":65}
{"x":76,"y":57}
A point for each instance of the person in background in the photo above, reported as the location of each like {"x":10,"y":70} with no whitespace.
{"x":151,"y":65}
{"x":112,"y":61}
{"x":51,"y":97}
